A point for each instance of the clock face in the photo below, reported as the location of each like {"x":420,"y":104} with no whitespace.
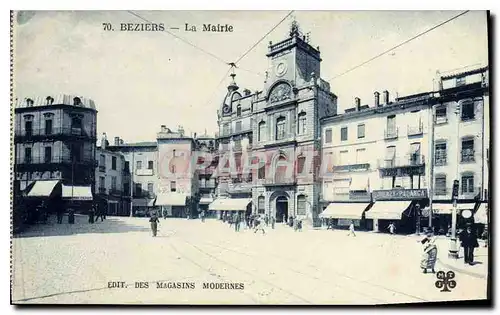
{"x":281,"y":69}
{"x":226,"y":109}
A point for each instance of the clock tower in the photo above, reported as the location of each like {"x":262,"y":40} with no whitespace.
{"x":293,"y":59}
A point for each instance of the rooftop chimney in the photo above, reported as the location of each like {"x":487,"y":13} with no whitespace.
{"x":377,"y":98}
{"x":163,"y":128}
{"x":357,"y":102}
{"x":117,"y":140}
{"x":121,"y":141}
{"x":103,"y":141}
{"x":386,"y":97}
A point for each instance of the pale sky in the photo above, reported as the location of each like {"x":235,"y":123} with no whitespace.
{"x":141,"y":80}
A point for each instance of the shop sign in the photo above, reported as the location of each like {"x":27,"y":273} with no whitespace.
{"x":399,"y":194}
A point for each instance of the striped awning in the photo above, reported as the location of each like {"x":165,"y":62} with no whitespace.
{"x":230,"y":204}
{"x":387,"y":210}
{"x":338,"y":210}
{"x":43,"y":188}
{"x":77,"y":192}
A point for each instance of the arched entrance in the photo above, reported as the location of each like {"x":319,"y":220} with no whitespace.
{"x":282,"y":209}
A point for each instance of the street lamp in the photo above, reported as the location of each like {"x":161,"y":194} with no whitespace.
{"x":453,"y":252}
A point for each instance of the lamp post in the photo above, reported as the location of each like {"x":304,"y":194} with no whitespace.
{"x":453,"y":252}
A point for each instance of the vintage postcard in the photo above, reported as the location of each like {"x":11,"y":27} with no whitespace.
{"x":250,"y":157}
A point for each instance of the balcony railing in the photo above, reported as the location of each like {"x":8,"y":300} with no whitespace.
{"x":55,"y":160}
{"x":471,"y":193}
{"x":440,"y":161}
{"x":102,"y":168}
{"x":115,"y":192}
{"x":391,"y":134}
{"x":55,"y":131}
{"x":280,"y":181}
{"x":351,"y":167}
{"x":102,"y":190}
{"x":406,"y":160}
{"x":467,"y":155}
{"x":415,"y":130}
{"x":144,"y":172}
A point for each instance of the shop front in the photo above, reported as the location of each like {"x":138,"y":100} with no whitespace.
{"x":341,"y":214}
{"x":226,"y":206}
{"x":171,"y":203}
{"x":443,"y":212}
{"x":402,"y":207}
{"x":78,"y":198}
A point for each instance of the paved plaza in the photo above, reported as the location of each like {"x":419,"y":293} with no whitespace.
{"x":75,"y":264}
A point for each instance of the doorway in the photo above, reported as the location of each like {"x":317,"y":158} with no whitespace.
{"x":282,"y":209}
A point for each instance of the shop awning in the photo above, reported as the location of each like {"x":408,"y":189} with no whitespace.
{"x":151,"y":202}
{"x":447,"y":208}
{"x":43,"y":188}
{"x":206,"y":201}
{"x":77,"y":192}
{"x":387,"y":210}
{"x":171,"y":199}
{"x":481,"y":216}
{"x":359,"y":183}
{"x":338,"y":210}
{"x":230,"y":204}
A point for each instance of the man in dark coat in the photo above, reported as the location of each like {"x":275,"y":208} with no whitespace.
{"x":468,"y":240}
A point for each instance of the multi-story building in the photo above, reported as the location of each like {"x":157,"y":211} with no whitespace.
{"x":377,"y":150}
{"x":55,"y":143}
{"x":396,"y":161}
{"x":207,"y":182}
{"x":141,"y":161}
{"x":461,"y":143}
{"x":177,"y":178}
{"x":283,"y":133}
{"x":112,"y":181}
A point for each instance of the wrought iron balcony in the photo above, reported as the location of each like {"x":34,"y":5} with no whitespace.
{"x":102,"y":168}
{"x":37,"y":160}
{"x":54,"y":132}
{"x":415,"y":130}
{"x":467,"y":155}
{"x":440,"y":160}
{"x":390,"y":134}
{"x":406,"y":160}
{"x":463,"y":193}
{"x":351,"y":167}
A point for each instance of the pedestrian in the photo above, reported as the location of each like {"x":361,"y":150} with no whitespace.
{"x":59,"y":215}
{"x":284,"y":219}
{"x":71,"y":216}
{"x":429,"y":255}
{"x":91,"y":214}
{"x":469,"y":242}
{"x":154,"y":223}
{"x":351,"y":229}
{"x":203,"y":216}
{"x":164,"y":212}
{"x":273,"y":221}
{"x":101,"y":214}
{"x":267,"y":220}
{"x":259,"y":225}
{"x":290,"y":221}
{"x":391,"y":228}
{"x":299,"y":225}
{"x":237,"y":221}
{"x":295,"y":225}
{"x":484,"y":236}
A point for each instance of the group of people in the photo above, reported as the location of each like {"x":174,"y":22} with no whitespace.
{"x":95,"y":213}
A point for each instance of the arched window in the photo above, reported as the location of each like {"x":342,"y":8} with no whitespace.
{"x":262,"y":131}
{"x":301,"y":205}
{"x":301,"y":161}
{"x":261,"y":204}
{"x":280,"y":175}
{"x":302,"y":123}
{"x":280,"y":128}
{"x":238,"y":110}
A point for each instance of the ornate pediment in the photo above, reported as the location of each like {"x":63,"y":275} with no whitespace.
{"x":280,"y":92}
